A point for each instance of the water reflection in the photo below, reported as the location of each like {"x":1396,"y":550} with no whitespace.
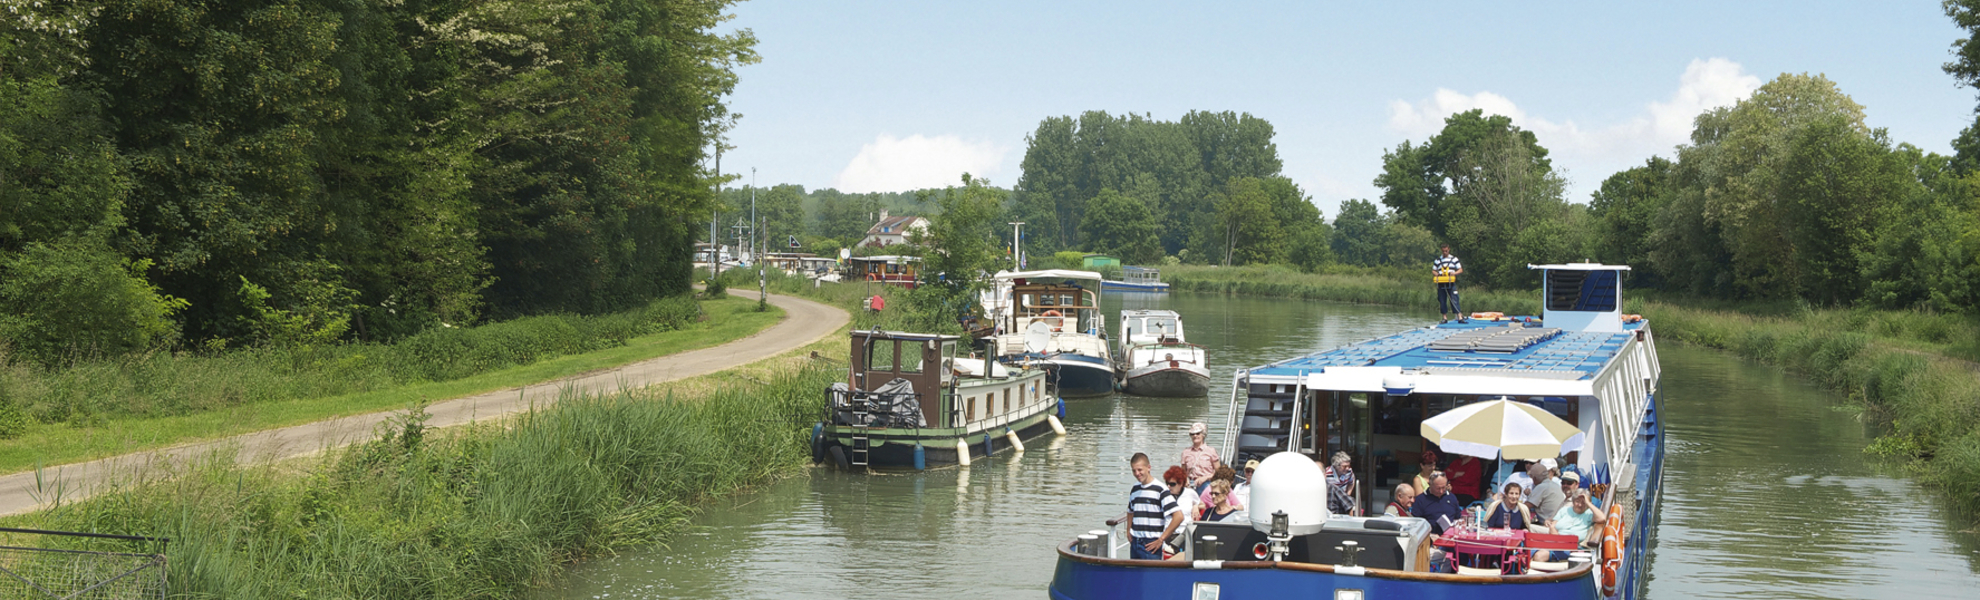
{"x":1767,"y":492}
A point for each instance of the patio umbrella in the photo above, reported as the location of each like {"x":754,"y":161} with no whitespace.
{"x":1502,"y":428}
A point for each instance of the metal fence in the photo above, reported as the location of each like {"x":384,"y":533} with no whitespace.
{"x":83,"y":570}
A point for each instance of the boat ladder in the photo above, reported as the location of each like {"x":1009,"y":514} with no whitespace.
{"x":861,"y":446}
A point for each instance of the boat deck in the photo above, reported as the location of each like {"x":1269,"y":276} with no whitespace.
{"x":1498,"y":347}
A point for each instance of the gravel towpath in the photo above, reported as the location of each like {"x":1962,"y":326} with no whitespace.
{"x":804,"y":322}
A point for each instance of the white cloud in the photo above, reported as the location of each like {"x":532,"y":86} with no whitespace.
{"x":891,"y":164}
{"x":1706,"y":84}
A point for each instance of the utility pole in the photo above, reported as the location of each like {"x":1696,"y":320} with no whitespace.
{"x":762,"y":287}
{"x":1017,"y":245}
{"x":714,"y":214}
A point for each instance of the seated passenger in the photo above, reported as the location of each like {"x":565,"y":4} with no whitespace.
{"x":1438,"y":505}
{"x":1400,"y":501}
{"x":1508,"y":512}
{"x":1571,"y":483}
{"x":1341,"y":486}
{"x":1218,"y":505}
{"x":1579,"y":518}
{"x":1229,"y":477}
{"x":1424,"y":470}
{"x":1242,"y":491}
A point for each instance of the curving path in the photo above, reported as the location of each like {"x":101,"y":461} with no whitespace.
{"x":804,"y":322}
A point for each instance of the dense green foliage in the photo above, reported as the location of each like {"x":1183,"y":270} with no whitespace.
{"x":484,"y":512}
{"x":1211,"y":180}
{"x":221,"y":172}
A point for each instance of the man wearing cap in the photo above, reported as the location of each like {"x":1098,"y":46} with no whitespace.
{"x":1200,"y":459}
{"x":1571,"y":483}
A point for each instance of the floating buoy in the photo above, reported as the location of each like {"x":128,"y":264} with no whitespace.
{"x":1015,"y":442}
{"x":988,"y":450}
{"x":1057,"y":427}
{"x":962,"y":452}
{"x":920,"y":457}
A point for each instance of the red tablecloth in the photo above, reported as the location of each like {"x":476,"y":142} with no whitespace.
{"x":1503,"y":538}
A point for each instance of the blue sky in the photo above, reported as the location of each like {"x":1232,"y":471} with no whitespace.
{"x":888,"y":96}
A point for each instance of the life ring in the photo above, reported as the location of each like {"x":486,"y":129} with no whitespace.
{"x":872,"y":276}
{"x":1609,"y":577}
{"x":1058,"y":319}
{"x":1612,"y":535}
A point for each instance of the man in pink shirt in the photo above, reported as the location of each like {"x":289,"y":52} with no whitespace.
{"x":1200,"y":459}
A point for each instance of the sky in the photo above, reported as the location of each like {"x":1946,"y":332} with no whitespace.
{"x":867,"y":96}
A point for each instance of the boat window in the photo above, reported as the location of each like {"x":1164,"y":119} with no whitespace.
{"x":1590,"y":291}
{"x":880,"y":355}
{"x":1007,"y":399}
{"x":969,"y":414}
{"x":911,"y":355}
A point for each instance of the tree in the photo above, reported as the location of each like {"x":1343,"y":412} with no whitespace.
{"x":1247,"y":231}
{"x":1624,"y":209}
{"x":962,"y":247}
{"x":1123,"y":227}
{"x":1358,"y":230}
{"x":1477,"y":184}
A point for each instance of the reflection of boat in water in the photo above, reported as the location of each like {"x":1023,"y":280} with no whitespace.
{"x":1584,"y":363}
{"x":911,"y":400}
{"x":1155,"y":358}
{"x":1053,"y":318}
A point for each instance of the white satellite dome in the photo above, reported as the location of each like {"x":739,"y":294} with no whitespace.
{"x":1290,"y":482}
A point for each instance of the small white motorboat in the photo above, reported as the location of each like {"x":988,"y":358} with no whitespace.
{"x":1155,"y":358}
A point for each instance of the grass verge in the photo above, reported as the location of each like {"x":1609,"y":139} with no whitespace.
{"x":275,"y":389}
{"x":1910,"y":371}
{"x":475,"y":512}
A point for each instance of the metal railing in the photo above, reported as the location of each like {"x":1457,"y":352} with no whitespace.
{"x":84,"y":571}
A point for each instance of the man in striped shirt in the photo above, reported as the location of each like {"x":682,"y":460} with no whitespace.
{"x":1150,"y":510}
{"x":1445,"y":272}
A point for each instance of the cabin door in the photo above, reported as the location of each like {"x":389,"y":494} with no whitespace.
{"x":1349,"y":429}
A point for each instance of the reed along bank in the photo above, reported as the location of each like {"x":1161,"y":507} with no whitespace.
{"x":1912,"y":374}
{"x":484,"y":511}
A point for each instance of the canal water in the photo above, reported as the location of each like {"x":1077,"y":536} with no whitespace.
{"x":1768,"y":495}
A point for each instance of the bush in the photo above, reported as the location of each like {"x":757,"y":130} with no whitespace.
{"x":76,"y":298}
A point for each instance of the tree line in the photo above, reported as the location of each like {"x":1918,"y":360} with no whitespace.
{"x":199,"y":173}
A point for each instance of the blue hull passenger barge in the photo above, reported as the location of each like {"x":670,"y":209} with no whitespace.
{"x":1584,"y":362}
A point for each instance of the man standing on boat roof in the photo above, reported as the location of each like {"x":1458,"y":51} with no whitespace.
{"x":1445,"y":271}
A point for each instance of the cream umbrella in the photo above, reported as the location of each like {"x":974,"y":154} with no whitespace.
{"x":1502,"y":428}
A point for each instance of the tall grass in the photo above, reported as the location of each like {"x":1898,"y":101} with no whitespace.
{"x":1928,"y":404}
{"x":167,"y":384}
{"x":475,"y":513}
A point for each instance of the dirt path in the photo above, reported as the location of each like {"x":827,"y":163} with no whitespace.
{"x":804,"y":322}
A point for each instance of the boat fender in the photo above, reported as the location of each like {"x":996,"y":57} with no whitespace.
{"x":1015,"y":442}
{"x":1062,"y":409}
{"x":838,"y":454}
{"x":818,"y":443}
{"x":920,"y":457}
{"x":1057,"y":427}
{"x":962,"y":452}
{"x":988,"y":450}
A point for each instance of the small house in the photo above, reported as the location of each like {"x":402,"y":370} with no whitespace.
{"x":892,"y":231}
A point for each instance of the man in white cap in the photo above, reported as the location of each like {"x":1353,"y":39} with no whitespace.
{"x":1200,"y":459}
{"x":1242,"y":491}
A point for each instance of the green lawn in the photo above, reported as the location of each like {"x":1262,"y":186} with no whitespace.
{"x":55,"y":444}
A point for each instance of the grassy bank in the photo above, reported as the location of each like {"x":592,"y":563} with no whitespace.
{"x":901,"y":313}
{"x":477,"y":512}
{"x":1910,"y":371}
{"x":110,"y":407}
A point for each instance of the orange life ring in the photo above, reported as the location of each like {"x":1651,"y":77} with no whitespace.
{"x":1058,"y":319}
{"x":872,"y":276}
{"x":1609,"y":577}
